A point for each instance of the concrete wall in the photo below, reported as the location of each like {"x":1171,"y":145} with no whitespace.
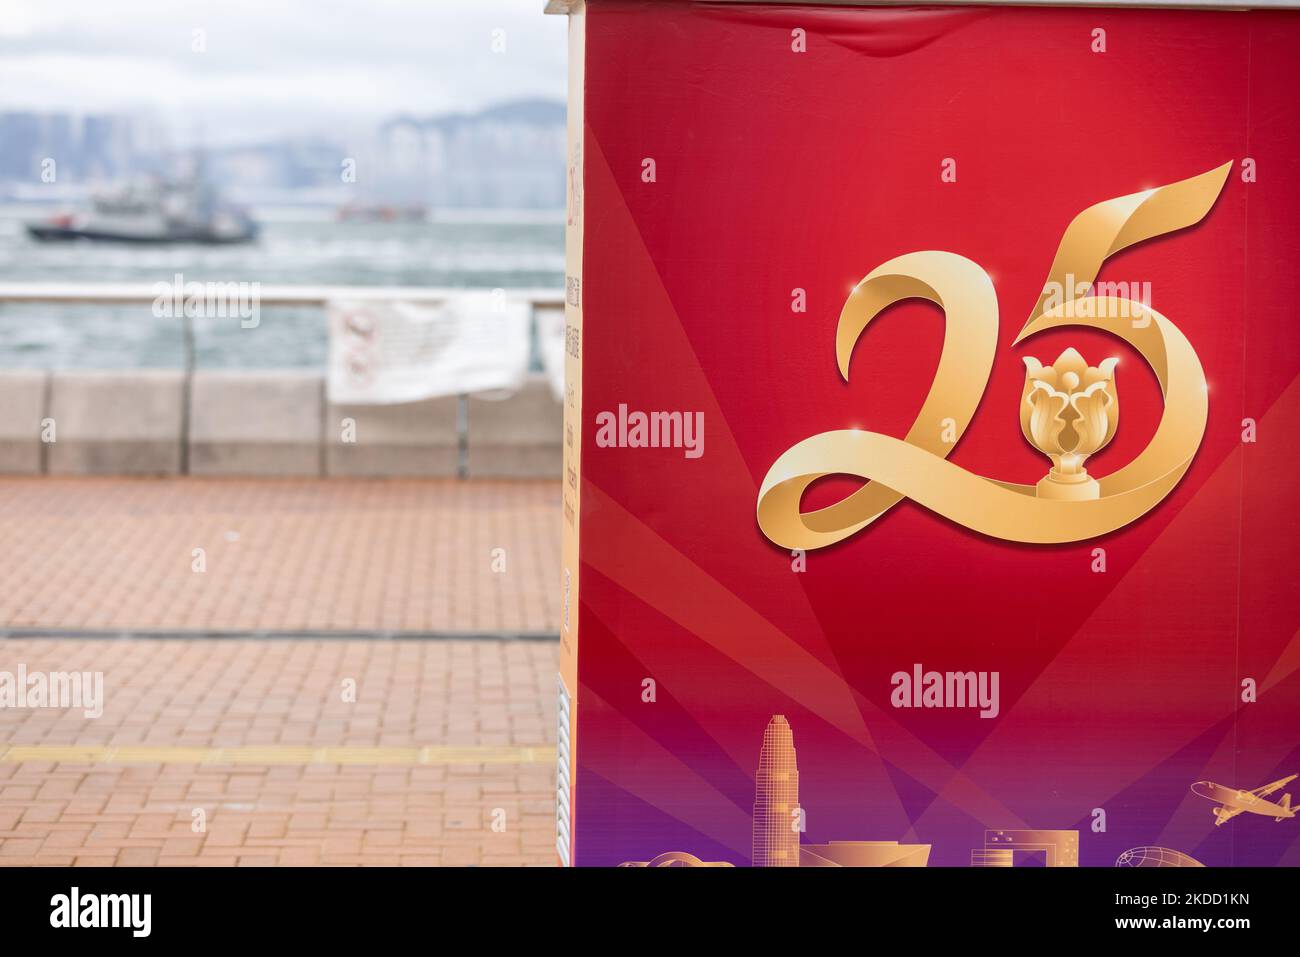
{"x":116,"y":422}
{"x":22,"y":407}
{"x":256,"y":423}
{"x":516,"y":437}
{"x":415,"y":438}
{"x":273,"y":423}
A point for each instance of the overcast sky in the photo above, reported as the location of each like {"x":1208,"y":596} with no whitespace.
{"x":275,"y":66}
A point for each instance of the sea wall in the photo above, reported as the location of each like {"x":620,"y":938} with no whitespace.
{"x":264,"y":423}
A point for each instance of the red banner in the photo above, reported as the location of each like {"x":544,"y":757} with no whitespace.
{"x":865,"y":567}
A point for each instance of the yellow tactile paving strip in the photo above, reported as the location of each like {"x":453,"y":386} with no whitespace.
{"x":193,"y":554}
{"x":440,"y":753}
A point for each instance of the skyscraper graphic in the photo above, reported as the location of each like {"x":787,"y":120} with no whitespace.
{"x":776,"y":796}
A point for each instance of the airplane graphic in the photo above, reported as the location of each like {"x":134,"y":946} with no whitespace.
{"x":1232,"y":801}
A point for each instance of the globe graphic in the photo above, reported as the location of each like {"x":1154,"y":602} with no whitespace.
{"x":1155,"y":857}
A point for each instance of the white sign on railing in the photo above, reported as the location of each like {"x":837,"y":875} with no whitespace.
{"x":384,"y":353}
{"x":550,"y":346}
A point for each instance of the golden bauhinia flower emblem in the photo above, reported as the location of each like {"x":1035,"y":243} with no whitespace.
{"x":1069,"y":412}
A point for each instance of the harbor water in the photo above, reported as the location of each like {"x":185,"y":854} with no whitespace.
{"x":494,"y":250}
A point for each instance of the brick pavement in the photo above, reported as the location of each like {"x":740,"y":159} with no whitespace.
{"x":118,"y":553}
{"x":446,"y":737}
{"x":444,"y":757}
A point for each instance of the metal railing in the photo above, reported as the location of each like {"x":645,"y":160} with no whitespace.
{"x":267,"y":294}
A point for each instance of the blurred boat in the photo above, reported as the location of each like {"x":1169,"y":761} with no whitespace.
{"x":152,"y":211}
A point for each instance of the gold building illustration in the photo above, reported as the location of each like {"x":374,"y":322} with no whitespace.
{"x":676,"y":859}
{"x":1027,"y":848}
{"x":776,"y":799}
{"x":864,"y":854}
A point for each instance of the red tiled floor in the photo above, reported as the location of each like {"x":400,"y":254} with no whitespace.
{"x":249,"y":752}
{"x":441,"y":757}
{"x":118,"y":553}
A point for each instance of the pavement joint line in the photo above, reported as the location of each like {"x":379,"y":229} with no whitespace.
{"x":279,"y":755}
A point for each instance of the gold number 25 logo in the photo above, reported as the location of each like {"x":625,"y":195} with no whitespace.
{"x":1069,"y":410}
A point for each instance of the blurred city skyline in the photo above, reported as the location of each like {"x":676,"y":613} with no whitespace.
{"x":217,"y":74}
{"x":453,"y":104}
{"x":510,"y":155}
